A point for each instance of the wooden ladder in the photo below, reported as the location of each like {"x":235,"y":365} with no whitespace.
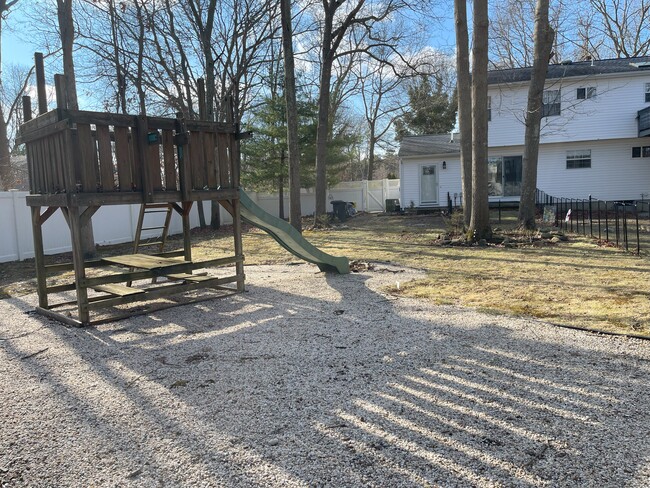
{"x":152,"y":208}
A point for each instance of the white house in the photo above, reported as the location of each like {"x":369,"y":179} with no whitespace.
{"x":595,"y":137}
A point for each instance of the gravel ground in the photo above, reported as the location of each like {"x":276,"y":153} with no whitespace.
{"x":315,"y":380}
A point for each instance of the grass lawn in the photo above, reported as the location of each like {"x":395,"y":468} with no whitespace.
{"x":575,"y":283}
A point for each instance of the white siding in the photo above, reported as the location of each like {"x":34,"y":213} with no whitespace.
{"x":614,"y":174}
{"x":610,"y":115}
{"x":448,"y":179}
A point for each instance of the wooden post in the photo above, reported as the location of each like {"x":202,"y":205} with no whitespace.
{"x":27,"y":108}
{"x":40,"y":83}
{"x":39,"y":257}
{"x":187,"y":240}
{"x":74,"y":221}
{"x":61,"y":97}
{"x":236,"y":227}
{"x":142,"y":146}
{"x":200,"y":88}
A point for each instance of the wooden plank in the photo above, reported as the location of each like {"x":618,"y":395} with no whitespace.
{"x":223,"y":145}
{"x":68,"y":162}
{"x":87,"y":156}
{"x":143,"y":175}
{"x":117,"y":289}
{"x":123,"y":157}
{"x":52,"y":159}
{"x":155,"y":167}
{"x":39,"y":257}
{"x":42,"y":120}
{"x":40,"y":83}
{"x":189,"y":277}
{"x":235,"y":161}
{"x":57,"y":147}
{"x":36,"y":167}
{"x":162,"y":291}
{"x":98,"y":118}
{"x":74,"y":222}
{"x":42,"y":132}
{"x":46,"y":170}
{"x":143,"y":275}
{"x":169,"y":160}
{"x":144,"y":261}
{"x":210,"y":151}
{"x":59,"y":316}
{"x":107,"y":175}
{"x":136,"y":169}
{"x":197,"y":158}
{"x":30,"y":167}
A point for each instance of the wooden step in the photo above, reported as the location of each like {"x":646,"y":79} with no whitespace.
{"x":189,"y":277}
{"x":117,"y":289}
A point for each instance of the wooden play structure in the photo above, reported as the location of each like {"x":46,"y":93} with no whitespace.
{"x":79,"y":161}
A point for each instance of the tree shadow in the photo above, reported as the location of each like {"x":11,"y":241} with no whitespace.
{"x":309,"y":380}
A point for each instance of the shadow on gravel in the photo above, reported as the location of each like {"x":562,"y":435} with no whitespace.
{"x":275,"y":387}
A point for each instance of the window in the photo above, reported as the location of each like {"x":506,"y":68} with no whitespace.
{"x":646,"y":151}
{"x":489,"y":109}
{"x":636,"y":152}
{"x":551,"y":104}
{"x":504,"y":176}
{"x":580,"y":158}
{"x":647,"y":92}
{"x":584,"y":93}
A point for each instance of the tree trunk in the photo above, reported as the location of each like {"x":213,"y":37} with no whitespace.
{"x":66,"y":30}
{"x":322,"y":131}
{"x":295,"y":211}
{"x":6,"y":180}
{"x":371,"y":152}
{"x":479,"y":227}
{"x":544,"y":35}
{"x":281,"y":197}
{"x":464,"y":106}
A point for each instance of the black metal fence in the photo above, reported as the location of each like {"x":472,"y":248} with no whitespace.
{"x":615,"y":222}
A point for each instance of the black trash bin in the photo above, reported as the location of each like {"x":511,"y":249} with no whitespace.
{"x":340,"y":209}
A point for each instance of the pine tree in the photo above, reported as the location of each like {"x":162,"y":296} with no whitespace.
{"x":431,"y":109}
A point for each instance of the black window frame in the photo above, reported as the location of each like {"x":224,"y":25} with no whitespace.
{"x":586,"y":93}
{"x":636,"y":152}
{"x":553,"y":109}
{"x":647,"y":93}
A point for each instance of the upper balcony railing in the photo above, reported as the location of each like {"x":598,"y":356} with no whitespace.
{"x":644,"y":122}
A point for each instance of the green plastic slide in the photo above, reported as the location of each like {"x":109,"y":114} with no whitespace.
{"x":290,"y":238}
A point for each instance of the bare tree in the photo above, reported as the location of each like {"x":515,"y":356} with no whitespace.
{"x":544,"y":35}
{"x":512,"y":32}
{"x":625,"y":24}
{"x":295,"y":212}
{"x":464,"y":91}
{"x":5,"y":154}
{"x":479,"y":227}
{"x":336,"y":23}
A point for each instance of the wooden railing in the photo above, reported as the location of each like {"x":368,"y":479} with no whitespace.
{"x":93,"y":152}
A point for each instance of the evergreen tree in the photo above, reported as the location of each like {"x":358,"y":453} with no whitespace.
{"x":431,"y":109}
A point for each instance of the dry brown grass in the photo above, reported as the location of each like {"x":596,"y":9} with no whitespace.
{"x":575,"y":283}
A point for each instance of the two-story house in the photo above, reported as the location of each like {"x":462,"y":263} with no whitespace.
{"x":595,"y":137}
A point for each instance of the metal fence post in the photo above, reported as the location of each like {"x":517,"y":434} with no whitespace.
{"x":606,"y":223}
{"x":638,"y":242}
{"x":617,"y":225}
{"x":591,"y":220}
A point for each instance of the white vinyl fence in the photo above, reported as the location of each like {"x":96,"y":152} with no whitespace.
{"x":114,"y":224}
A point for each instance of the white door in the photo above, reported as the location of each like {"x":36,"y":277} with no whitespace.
{"x":428,"y":185}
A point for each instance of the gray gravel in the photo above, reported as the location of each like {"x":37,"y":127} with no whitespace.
{"x":315,"y":380}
